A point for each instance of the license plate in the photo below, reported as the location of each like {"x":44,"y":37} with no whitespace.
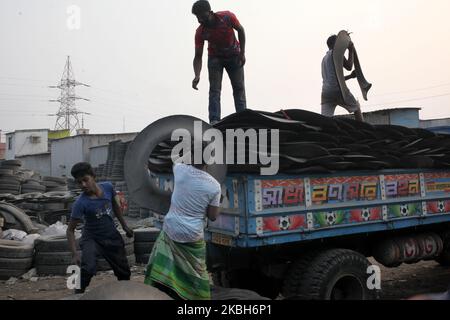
{"x":221,"y":239}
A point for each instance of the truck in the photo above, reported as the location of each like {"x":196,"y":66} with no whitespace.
{"x":310,"y":236}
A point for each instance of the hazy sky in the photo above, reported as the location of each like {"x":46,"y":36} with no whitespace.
{"x":137,"y":56}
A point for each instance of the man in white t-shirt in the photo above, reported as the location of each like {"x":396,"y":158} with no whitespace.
{"x":177,"y":264}
{"x":196,"y":192}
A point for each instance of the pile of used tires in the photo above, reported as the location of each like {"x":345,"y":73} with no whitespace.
{"x":144,"y":239}
{"x":55,"y":184}
{"x":16,"y":258}
{"x":14,"y":180}
{"x":32,"y":185}
{"x":9,"y":183}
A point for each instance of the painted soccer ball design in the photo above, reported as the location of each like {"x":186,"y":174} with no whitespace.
{"x":404,"y":210}
{"x":284,"y":223}
{"x":441,"y":206}
{"x":331,"y":218}
{"x":365,"y":214}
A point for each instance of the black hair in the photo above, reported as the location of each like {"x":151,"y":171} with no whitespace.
{"x":201,"y":6}
{"x":82,"y":169}
{"x":331,"y":41}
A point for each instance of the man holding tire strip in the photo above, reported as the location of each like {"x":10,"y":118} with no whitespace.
{"x":100,"y":237}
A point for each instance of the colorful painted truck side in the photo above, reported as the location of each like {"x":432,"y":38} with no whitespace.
{"x":276,"y":234}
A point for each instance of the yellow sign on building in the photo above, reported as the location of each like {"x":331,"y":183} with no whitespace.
{"x":58,"y":134}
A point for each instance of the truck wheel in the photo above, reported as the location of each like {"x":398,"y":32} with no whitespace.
{"x":336,"y":274}
{"x":444,"y":258}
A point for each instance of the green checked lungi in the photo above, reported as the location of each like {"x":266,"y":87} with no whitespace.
{"x":180,"y":267}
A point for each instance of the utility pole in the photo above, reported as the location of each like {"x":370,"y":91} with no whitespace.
{"x":67,"y":115}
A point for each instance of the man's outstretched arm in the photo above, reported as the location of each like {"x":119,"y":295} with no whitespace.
{"x":70,"y":233}
{"x":197,"y":66}
{"x":119,"y":215}
{"x":242,"y":40}
{"x":213,"y":212}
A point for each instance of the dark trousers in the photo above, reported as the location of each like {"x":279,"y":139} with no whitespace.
{"x":112,"y":250}
{"x":236,"y":74}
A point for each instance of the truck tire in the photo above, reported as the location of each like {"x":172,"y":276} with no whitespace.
{"x":15,"y":249}
{"x":12,"y":163}
{"x":53,"y":244}
{"x":16,"y":263}
{"x":55,"y":270}
{"x":444,"y":258}
{"x":53,"y":258}
{"x":335,"y":274}
{"x":5,"y":274}
{"x":7,"y":183}
{"x":146,"y":234}
{"x":6,"y":172}
{"x":56,"y":180}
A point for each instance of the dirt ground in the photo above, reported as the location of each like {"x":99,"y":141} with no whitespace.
{"x":399,"y":283}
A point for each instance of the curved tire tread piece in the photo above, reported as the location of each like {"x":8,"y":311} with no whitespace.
{"x":141,"y":186}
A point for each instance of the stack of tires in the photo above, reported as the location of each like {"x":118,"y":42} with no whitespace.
{"x":55,"y":184}
{"x":13,"y":165}
{"x":9,"y":183}
{"x":16,"y":258}
{"x":53,"y":255}
{"x":144,"y":239}
{"x":103,"y":265}
{"x":32,"y":186}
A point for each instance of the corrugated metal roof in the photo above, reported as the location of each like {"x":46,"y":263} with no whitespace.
{"x":393,"y":109}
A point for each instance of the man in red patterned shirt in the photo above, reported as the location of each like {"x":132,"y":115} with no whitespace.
{"x":224,"y":52}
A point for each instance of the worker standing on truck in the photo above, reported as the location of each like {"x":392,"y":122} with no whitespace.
{"x":177,"y":264}
{"x":224,"y":52}
{"x":95,"y":207}
{"x":331,"y":91}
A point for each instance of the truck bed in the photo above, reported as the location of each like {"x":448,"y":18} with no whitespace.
{"x":263,"y":211}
